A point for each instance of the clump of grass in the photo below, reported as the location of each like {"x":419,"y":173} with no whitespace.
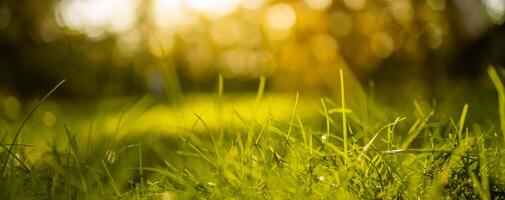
{"x":335,"y":156}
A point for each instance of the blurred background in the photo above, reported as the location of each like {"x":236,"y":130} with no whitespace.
{"x":130,"y":47}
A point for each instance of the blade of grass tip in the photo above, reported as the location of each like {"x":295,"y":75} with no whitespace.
{"x":303,"y":132}
{"x":211,"y":135}
{"x":9,"y":151}
{"x":391,"y":131}
{"x":71,"y":141}
{"x":202,"y":155}
{"x":220,"y":89}
{"x":462,"y":121}
{"x":112,"y":182}
{"x":418,"y":126}
{"x":239,"y":116}
{"x":498,"y":84}
{"x":419,"y":109}
{"x":120,"y":120}
{"x":327,"y":117}
{"x":294,"y":114}
{"x":265,"y":125}
{"x":387,"y":126}
{"x":344,"y":120}
{"x":261,"y":90}
{"x":220,"y":86}
{"x":249,"y":127}
{"x":257,"y":139}
{"x":68,"y":147}
{"x":418,"y":151}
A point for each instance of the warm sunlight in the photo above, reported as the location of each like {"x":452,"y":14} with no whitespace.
{"x":252,"y":99}
{"x":281,"y":16}
{"x":96,"y":17}
{"x":171,"y":13}
{"x":214,"y":8}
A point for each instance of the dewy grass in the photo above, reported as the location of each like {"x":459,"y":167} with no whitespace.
{"x":417,"y":156}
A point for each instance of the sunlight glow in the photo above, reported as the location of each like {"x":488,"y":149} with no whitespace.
{"x":11,"y":108}
{"x":214,"y":8}
{"x":252,"y":4}
{"x":355,"y":4}
{"x":324,"y":47}
{"x":382,"y":44}
{"x":318,"y":4}
{"x":226,"y":32}
{"x":171,"y":13}
{"x":281,"y":16}
{"x":96,"y":17}
{"x":495,"y":10}
{"x":49,"y":119}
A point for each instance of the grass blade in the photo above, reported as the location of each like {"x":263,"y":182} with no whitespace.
{"x":11,"y":147}
{"x":344,"y":119}
{"x":498,"y":84}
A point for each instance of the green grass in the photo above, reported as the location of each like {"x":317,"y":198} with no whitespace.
{"x":251,"y":147}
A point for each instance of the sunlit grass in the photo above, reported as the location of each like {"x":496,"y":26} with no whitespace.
{"x":254,"y":146}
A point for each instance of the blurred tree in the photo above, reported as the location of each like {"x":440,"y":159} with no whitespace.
{"x":114,"y":47}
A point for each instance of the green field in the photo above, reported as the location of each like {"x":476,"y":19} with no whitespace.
{"x":257,"y":146}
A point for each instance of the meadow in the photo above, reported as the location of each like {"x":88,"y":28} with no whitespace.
{"x":258,"y":146}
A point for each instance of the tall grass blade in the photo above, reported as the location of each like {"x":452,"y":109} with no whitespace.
{"x":112,"y":182}
{"x":344,"y":119}
{"x":293,"y":115}
{"x":498,"y":84}
{"x":462,"y":121}
{"x":327,"y":117}
{"x":11,"y":147}
{"x":261,"y":90}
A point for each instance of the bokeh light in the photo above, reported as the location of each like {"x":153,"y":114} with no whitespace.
{"x":319,"y":4}
{"x":214,"y":8}
{"x":49,"y":119}
{"x":281,"y":16}
{"x":324,"y":48}
{"x":495,"y":10}
{"x":252,"y":4}
{"x":382,"y":44}
{"x":12,"y":108}
{"x":355,"y":4}
{"x":96,"y":17}
{"x":226,"y":32}
{"x":171,"y":13}
{"x":245,"y":38}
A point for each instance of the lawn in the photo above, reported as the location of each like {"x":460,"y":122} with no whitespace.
{"x":256,"y":146}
